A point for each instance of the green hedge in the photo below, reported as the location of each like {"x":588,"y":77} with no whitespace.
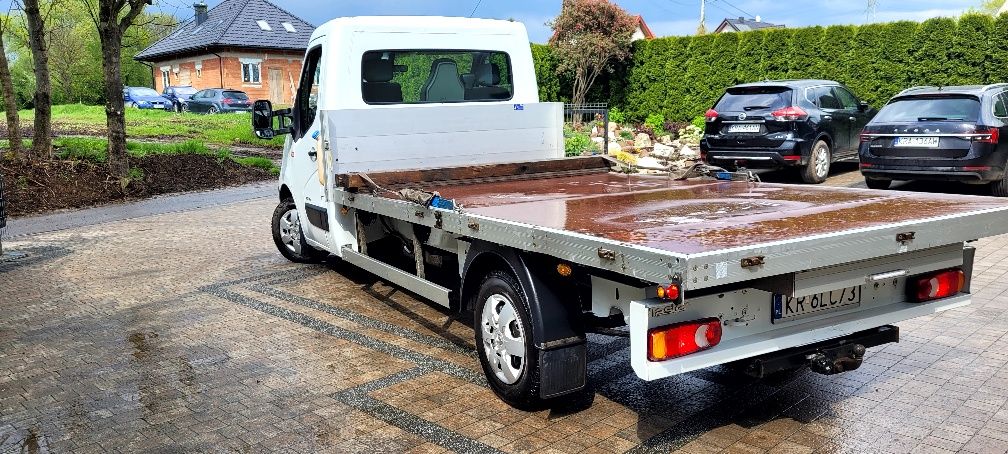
{"x":681,"y":77}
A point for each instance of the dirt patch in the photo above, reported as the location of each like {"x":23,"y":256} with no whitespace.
{"x":42,"y":186}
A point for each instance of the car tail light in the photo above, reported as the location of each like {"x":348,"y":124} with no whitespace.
{"x":683,"y":339}
{"x":227,"y":101}
{"x":791,"y":158}
{"x":935,"y":286}
{"x":866,"y":137}
{"x":865,"y":165}
{"x":987,"y":135}
{"x":792,"y":113}
{"x":669,"y":292}
{"x":711,"y":115}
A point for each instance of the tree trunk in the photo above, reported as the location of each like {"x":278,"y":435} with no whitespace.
{"x":42,"y":137}
{"x":10,"y":103}
{"x":111,"y":41}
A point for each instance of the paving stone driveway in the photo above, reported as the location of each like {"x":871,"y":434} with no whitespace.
{"x":188,"y":332}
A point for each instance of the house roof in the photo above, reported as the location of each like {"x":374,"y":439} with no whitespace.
{"x":234,"y":23}
{"x":644,"y":28}
{"x":742,"y":24}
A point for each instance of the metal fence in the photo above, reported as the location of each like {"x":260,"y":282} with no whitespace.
{"x":3,"y":213}
{"x":590,"y":118}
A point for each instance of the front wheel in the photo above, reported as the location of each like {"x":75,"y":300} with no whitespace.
{"x":877,"y":183}
{"x":818,"y":167}
{"x":504,"y":341}
{"x":288,"y":236}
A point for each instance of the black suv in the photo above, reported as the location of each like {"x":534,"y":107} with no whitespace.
{"x":939,"y":133}
{"x":807,"y":124}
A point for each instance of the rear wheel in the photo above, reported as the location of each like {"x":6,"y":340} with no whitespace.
{"x":504,"y":341}
{"x":999,"y":188}
{"x":818,"y":167}
{"x":874,"y":183}
{"x":213,"y":110}
{"x":289,"y":238}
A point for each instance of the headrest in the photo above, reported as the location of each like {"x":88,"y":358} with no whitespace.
{"x":487,"y":74}
{"x":380,"y":70}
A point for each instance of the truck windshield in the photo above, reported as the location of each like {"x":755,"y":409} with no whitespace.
{"x":435,"y":76}
{"x":754,"y":98}
{"x":944,"y":108}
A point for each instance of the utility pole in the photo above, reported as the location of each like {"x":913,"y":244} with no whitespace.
{"x":702,"y":29}
{"x":870,"y":11}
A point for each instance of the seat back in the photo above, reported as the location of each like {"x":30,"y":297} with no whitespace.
{"x":377,"y":86}
{"x":443,"y":83}
{"x":487,"y":86}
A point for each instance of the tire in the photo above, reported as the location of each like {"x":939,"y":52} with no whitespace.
{"x":878,"y":183}
{"x":178,"y":108}
{"x":212,"y":110}
{"x":134,"y":105}
{"x":289,"y":238}
{"x":999,"y":188}
{"x":503,"y":330}
{"x":818,"y":167}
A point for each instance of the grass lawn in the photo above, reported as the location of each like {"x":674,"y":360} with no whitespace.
{"x":96,"y":150}
{"x":221,"y":129}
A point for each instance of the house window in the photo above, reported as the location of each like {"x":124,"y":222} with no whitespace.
{"x":264,"y":26}
{"x":289,"y":27}
{"x":165,"y":77}
{"x":251,"y":71}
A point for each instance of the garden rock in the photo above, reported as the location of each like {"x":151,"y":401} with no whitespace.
{"x":689,"y":153}
{"x":664,"y":151}
{"x":665,"y":140}
{"x":642,"y":141}
{"x":614,"y":148}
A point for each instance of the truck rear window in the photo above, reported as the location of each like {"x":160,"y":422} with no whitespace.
{"x":750,"y":99}
{"x":950,"y":108}
{"x":435,"y":76}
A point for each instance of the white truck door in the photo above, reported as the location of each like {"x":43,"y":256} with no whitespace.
{"x":307,"y":154}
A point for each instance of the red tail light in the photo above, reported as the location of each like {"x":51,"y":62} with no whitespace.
{"x":792,"y":113}
{"x":866,"y":137}
{"x":683,"y":339}
{"x":711,"y":115}
{"x":987,"y":135}
{"x":936,"y":286}
{"x":226,"y":101}
{"x":669,"y":292}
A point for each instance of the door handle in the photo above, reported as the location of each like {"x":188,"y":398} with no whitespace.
{"x":827,"y":117}
{"x":853,"y":118}
{"x":313,"y":154}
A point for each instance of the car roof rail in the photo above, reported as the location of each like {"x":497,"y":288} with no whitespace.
{"x":997,"y":85}
{"x":919,"y":87}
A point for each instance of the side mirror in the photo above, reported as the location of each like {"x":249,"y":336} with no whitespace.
{"x":864,"y":106}
{"x":262,"y":120}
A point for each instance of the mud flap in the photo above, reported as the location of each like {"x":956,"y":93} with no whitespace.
{"x":562,"y":370}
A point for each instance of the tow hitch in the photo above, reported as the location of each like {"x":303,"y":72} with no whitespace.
{"x":836,"y":360}
{"x":827,"y":358}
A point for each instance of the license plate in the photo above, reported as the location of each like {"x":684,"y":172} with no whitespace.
{"x":749,"y":128}
{"x":787,"y":308}
{"x":916,"y":142}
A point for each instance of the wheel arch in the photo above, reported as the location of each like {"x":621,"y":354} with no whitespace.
{"x":285,"y":193}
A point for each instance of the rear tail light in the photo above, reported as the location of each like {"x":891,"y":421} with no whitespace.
{"x":792,"y":113}
{"x":703,"y":156}
{"x":935,"y":286}
{"x":669,"y":292}
{"x":711,"y":115}
{"x":987,"y":135}
{"x":226,"y":100}
{"x":865,"y":165}
{"x":683,"y":339}
{"x":866,"y":137}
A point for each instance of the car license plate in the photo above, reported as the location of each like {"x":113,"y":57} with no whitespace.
{"x":744,"y":128}
{"x":786,"y":308}
{"x":916,"y":142}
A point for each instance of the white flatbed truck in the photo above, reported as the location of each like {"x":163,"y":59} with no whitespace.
{"x":418,"y":150}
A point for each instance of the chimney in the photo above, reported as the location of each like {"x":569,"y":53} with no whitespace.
{"x":201,"y":12}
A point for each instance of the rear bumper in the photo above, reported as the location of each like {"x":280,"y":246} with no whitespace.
{"x":976,"y":174}
{"x":227,"y":109}
{"x":789,"y":153}
{"x":793,"y":358}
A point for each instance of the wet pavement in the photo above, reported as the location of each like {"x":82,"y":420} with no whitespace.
{"x":186,"y":331}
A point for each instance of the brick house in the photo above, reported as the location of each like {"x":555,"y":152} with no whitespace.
{"x":249,"y":45}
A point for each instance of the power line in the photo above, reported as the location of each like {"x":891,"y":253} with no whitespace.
{"x":747,"y":14}
{"x":475,"y":8}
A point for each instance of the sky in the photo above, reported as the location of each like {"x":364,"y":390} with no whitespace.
{"x":665,"y":17}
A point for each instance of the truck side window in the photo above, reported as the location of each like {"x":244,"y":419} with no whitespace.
{"x":435,"y":76}
{"x":306,"y":104}
{"x":847,"y":99}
